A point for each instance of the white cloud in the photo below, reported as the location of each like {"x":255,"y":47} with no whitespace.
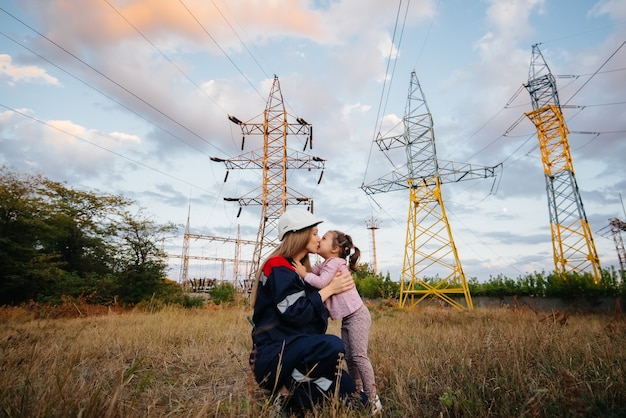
{"x":126,"y":137}
{"x":25,"y":74}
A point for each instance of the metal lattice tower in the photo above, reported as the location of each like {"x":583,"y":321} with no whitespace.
{"x":429,"y":242}
{"x":572,"y":241}
{"x":274,"y":161}
{"x":185,"y":281}
{"x":616,"y":227}
{"x":184,"y":271}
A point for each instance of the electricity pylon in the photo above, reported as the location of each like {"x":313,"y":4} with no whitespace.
{"x":617,"y":226}
{"x":429,"y":242}
{"x":274,"y":162}
{"x":572,"y":241}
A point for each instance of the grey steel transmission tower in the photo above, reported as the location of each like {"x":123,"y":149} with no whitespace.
{"x":572,"y":241}
{"x":274,"y":161}
{"x":429,"y":241}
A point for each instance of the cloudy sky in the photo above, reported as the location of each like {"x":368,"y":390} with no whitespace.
{"x":132,"y":97}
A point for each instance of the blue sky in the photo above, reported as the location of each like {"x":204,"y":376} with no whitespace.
{"x":133,"y":97}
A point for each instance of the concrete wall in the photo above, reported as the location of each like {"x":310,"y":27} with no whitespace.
{"x":590,"y":304}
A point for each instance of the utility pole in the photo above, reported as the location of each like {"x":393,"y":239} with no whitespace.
{"x":373,"y":224}
{"x":429,"y":243}
{"x":274,"y":161}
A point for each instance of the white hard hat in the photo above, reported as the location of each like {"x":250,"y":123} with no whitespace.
{"x":294,"y":220}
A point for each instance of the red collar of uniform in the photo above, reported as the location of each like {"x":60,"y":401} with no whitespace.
{"x":278,"y":261}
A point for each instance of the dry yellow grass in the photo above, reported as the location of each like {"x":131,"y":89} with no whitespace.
{"x":428,"y":362}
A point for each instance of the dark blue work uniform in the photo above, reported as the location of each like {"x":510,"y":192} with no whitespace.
{"x":290,"y":344}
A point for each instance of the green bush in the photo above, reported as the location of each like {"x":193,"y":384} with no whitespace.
{"x":170,"y":293}
{"x":222,"y":293}
{"x":572,"y":285}
{"x":375,"y":287}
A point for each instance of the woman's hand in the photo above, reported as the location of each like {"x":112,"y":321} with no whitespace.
{"x":339,"y":284}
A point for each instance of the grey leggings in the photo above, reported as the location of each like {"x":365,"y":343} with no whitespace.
{"x":355,"y":329}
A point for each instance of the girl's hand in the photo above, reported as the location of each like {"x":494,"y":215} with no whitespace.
{"x":300,"y":269}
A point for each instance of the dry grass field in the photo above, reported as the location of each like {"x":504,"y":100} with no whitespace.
{"x":429,"y":362}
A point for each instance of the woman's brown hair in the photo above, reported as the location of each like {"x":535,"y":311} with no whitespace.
{"x":292,"y":243}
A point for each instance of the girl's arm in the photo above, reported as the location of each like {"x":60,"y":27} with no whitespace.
{"x":325,"y":272}
{"x":333,"y":278}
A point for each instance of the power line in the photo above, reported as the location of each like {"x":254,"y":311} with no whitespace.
{"x":595,"y":72}
{"x":240,"y":40}
{"x":110,"y":79}
{"x":395,"y":61}
{"x":378,"y":121}
{"x":165,"y":56}
{"x":285,"y":102}
{"x":139,"y":163}
{"x":168,"y":60}
{"x":104,"y":94}
{"x":480,"y":240}
{"x":220,"y":48}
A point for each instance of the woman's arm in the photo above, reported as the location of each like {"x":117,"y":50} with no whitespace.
{"x":322,"y":275}
{"x":339,"y":284}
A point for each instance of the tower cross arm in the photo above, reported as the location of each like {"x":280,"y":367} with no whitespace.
{"x":300,"y":160}
{"x":255,"y":159}
{"x":290,"y":199}
{"x":252,"y":128}
{"x":302,"y":127}
{"x":447,"y":171}
{"x":249,"y":160}
{"x":220,"y":239}
{"x":452,"y":172}
{"x":389,"y":183}
{"x":617,"y":224}
{"x":299,"y":128}
{"x":392,"y":142}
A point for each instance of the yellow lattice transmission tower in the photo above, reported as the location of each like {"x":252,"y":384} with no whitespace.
{"x":572,"y":241}
{"x":431,"y":267}
{"x":274,"y":161}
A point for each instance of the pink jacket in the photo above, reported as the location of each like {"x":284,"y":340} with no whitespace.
{"x":342,"y":304}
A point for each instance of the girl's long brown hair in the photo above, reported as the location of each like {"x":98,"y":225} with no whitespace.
{"x":292,"y":244}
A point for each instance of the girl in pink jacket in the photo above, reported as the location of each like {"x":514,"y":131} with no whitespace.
{"x":335,"y":247}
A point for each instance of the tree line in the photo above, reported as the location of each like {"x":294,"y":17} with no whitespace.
{"x":56,"y":241}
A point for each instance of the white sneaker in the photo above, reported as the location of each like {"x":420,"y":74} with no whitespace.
{"x":377,"y":407}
